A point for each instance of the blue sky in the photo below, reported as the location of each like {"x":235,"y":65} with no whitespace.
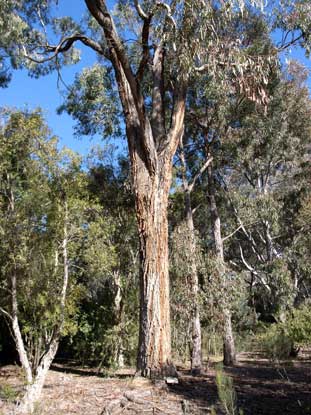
{"x":24,"y":91}
{"x":32,"y":93}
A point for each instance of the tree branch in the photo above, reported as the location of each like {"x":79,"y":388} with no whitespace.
{"x":199,"y":173}
{"x":157,"y":115}
{"x":145,"y":46}
{"x":290,"y":43}
{"x":100,"y":12}
{"x":169,"y":12}
{"x":6,"y":313}
{"x":140,"y":11}
{"x":232,"y":233}
{"x":64,"y":45}
{"x":251,"y":269}
{"x":178,"y":116}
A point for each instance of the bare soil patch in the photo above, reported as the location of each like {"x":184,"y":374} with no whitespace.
{"x":262,"y":387}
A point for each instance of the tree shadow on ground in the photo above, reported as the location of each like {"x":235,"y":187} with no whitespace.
{"x":89,"y":371}
{"x":199,"y":390}
{"x":262,"y":388}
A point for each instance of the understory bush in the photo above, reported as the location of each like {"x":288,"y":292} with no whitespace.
{"x":226,"y":393}
{"x":283,"y":339}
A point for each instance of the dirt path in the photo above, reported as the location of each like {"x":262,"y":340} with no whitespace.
{"x":262,"y":389}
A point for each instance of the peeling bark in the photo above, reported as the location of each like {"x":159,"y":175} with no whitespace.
{"x":154,"y":355}
{"x":152,"y":145}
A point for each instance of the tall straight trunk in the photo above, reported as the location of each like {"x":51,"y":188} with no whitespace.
{"x":151,"y":150}
{"x":228,"y":339}
{"x":118,"y":312}
{"x":196,"y":345}
{"x":196,"y":352}
{"x":154,"y":354}
{"x":152,"y":145}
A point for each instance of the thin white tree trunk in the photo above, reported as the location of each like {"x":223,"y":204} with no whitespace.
{"x":18,"y":335}
{"x":118,"y":311}
{"x":32,"y":395}
{"x":196,"y":346}
{"x":228,"y":339}
{"x":27,"y":405}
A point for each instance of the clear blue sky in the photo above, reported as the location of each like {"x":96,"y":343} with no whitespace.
{"x":43,"y":92}
{"x":32,"y":93}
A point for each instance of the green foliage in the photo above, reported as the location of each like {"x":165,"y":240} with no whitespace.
{"x":39,"y":187}
{"x":226,"y":393}
{"x":8,"y":393}
{"x":280,"y":340}
{"x":93,"y":102}
{"x":107,"y":318}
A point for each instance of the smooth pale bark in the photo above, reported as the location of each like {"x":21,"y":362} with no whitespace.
{"x":18,"y":335}
{"x":196,"y":345}
{"x":196,"y":352}
{"x":27,"y":404}
{"x":228,"y":339}
{"x":118,"y":312}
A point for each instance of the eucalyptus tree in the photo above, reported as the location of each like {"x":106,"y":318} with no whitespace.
{"x":265,"y":184}
{"x":173,"y":43}
{"x":191,"y":259}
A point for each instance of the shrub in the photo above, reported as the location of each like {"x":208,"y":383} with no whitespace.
{"x":226,"y":393}
{"x":281,"y":339}
{"x":8,"y":393}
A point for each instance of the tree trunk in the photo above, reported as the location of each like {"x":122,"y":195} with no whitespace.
{"x":18,"y":335}
{"x":151,"y":148}
{"x":154,"y":354}
{"x":229,"y":347}
{"x":34,"y":389}
{"x":196,"y":352}
{"x":118,"y":312}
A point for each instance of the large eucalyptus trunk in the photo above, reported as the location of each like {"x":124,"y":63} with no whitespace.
{"x":154,"y":354}
{"x":228,"y":338}
{"x":152,"y":141}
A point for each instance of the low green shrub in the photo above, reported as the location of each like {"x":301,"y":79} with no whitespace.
{"x":226,"y":393}
{"x":283,"y":340}
{"x":8,"y":393}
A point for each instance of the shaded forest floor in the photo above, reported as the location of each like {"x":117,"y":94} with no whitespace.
{"x":262,"y":387}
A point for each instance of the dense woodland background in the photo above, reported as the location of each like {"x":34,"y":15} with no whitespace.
{"x":74,"y":268}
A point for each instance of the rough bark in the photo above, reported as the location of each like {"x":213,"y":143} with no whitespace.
{"x":228,"y":339}
{"x":154,"y":355}
{"x":152,"y":145}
